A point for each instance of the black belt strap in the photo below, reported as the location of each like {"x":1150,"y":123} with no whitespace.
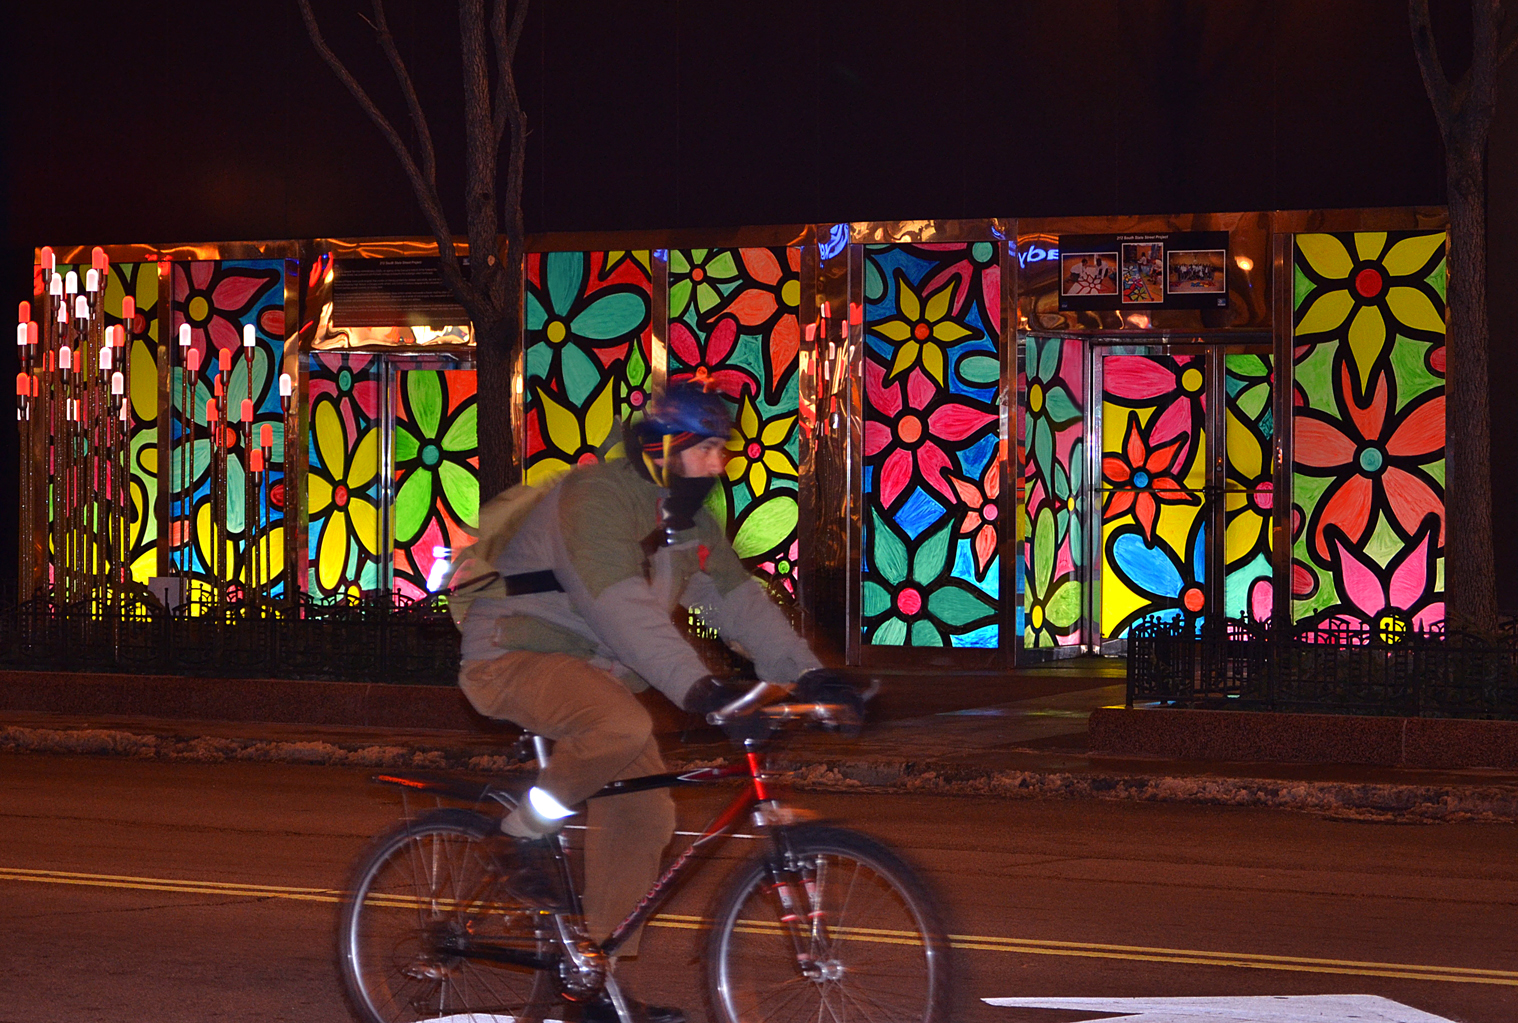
{"x":532,"y":582}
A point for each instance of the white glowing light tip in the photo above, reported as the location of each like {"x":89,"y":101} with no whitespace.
{"x":184,"y":335}
{"x":117,"y":384}
{"x":92,"y":280}
{"x":71,"y":283}
{"x":284,"y":385}
{"x":81,"y":308}
{"x":247,"y":335}
{"x":55,"y":284}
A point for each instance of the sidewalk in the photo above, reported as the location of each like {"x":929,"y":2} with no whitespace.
{"x":926,"y":737}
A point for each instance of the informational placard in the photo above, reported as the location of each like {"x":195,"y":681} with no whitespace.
{"x":1171,"y":270}
{"x":393,"y":292}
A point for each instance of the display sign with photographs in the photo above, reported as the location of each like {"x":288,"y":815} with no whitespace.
{"x":1174,"y":270}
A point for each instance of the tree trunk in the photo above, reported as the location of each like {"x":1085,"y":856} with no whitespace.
{"x":495,"y":353}
{"x":1470,"y":578}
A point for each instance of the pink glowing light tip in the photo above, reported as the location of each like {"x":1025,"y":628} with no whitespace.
{"x":247,"y":410}
{"x":31,"y":332}
{"x":255,"y":461}
{"x":48,"y":260}
{"x":129,"y":308}
{"x":24,"y":312}
{"x":224,"y":359}
{"x":99,"y":260}
{"x":210,"y":410}
{"x":266,"y":435}
{"x":192,"y":360}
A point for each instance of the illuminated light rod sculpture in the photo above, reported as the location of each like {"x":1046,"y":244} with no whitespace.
{"x":72,"y":410}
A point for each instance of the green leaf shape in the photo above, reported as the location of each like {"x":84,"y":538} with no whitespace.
{"x":891,"y":632}
{"x":678,"y":262}
{"x":765,"y":525}
{"x":875,"y":599}
{"x":924,"y":634}
{"x":1064,"y":605}
{"x":874,"y":281}
{"x":407,"y":446}
{"x":932,"y":556}
{"x":564,"y":273}
{"x":424,"y":389}
{"x":463,"y":432}
{"x":462,"y":488}
{"x":957,"y":607}
{"x":1048,"y":358}
{"x":679,"y":297}
{"x":716,"y":504}
{"x":1059,"y":408}
{"x":610,"y":316}
{"x":722,"y":267}
{"x":979,"y":369}
{"x":413,"y":504}
{"x":1043,"y":550}
{"x":890,"y":553}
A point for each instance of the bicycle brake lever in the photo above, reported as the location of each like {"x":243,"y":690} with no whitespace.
{"x":758,"y":696}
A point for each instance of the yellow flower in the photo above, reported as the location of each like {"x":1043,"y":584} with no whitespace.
{"x":1371,"y":294}
{"x":921,"y":328}
{"x":340,"y":491}
{"x":758,"y":448}
{"x":570,"y":439}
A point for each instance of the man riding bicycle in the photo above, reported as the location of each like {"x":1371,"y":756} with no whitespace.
{"x":592,"y":577}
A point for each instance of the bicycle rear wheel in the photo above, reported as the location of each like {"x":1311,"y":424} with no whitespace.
{"x":863,"y":941}
{"x":418,"y":890}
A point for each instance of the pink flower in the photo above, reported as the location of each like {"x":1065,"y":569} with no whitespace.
{"x":705,"y":362}
{"x":1393,"y":598}
{"x":911,"y":437}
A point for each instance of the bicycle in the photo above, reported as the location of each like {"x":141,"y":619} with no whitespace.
{"x":821,"y":923}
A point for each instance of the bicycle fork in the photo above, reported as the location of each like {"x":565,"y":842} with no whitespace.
{"x":799,"y":888}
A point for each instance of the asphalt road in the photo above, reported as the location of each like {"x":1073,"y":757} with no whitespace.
{"x":129,"y":890}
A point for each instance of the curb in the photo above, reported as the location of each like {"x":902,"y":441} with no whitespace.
{"x":1361,"y":801}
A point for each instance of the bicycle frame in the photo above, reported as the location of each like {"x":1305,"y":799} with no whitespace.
{"x":751,"y":768}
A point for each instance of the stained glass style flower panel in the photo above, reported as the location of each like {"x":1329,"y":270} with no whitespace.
{"x":734,"y":328}
{"x":1248,"y":496}
{"x":342,"y":484}
{"x":437,"y":464}
{"x":587,"y":355}
{"x":1153,"y":470}
{"x":930,"y":575}
{"x":1368,"y":431}
{"x":217,"y":298}
{"x":1054,"y":466}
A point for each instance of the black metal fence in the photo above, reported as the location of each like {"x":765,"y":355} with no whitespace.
{"x":1342,"y":670}
{"x":385,"y":639}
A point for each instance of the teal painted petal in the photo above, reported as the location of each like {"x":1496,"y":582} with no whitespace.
{"x":979,"y":369}
{"x":890,"y":558}
{"x":611,"y":316}
{"x":564,"y":273}
{"x":924,"y":634}
{"x":765,"y":526}
{"x":932,"y":556}
{"x":581,"y":374}
{"x":874,"y":281}
{"x":1059,"y":407}
{"x":1048,"y":358}
{"x":892,"y":632}
{"x":536,"y":314}
{"x":1043,"y":445}
{"x":1060,"y":485}
{"x":957,"y":608}
{"x":235,"y":492}
{"x":874,"y":599}
{"x":539,"y":359}
{"x":1077,"y":539}
{"x":1077,"y":465}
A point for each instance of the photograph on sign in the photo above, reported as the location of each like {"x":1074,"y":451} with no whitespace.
{"x":1143,"y":273}
{"x":1196,"y":272}
{"x":1088,"y":273}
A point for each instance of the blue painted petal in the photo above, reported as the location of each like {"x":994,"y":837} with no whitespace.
{"x":1199,"y":556}
{"x":1149,"y":569}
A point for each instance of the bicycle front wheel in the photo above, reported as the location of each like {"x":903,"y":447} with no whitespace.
{"x":860,"y":939}
{"x":421,"y":891}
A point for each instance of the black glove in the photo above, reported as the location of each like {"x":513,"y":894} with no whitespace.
{"x":823,"y":685}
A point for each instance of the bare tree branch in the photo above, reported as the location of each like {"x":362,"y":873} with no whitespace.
{"x":408,"y":89}
{"x":424,"y":188}
{"x":1429,"y":65}
{"x":508,"y":105}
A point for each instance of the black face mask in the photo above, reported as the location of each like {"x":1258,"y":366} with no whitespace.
{"x":686,"y":495}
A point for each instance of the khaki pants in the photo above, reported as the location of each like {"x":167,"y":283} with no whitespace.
{"x":601,"y":733}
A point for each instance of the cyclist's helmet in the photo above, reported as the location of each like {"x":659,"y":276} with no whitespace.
{"x":685,"y":414}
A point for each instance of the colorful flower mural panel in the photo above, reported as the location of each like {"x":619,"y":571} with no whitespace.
{"x":932,"y":445}
{"x":1368,"y":430}
{"x":1154,"y":450}
{"x":218,"y":299}
{"x":734,"y":328}
{"x":1053,"y":550}
{"x":437,"y":462}
{"x":342,"y":483}
{"x":140,"y":281}
{"x":588,"y":317}
{"x":1249,"y":493}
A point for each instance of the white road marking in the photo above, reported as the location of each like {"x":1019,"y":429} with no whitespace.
{"x":1242,"y":1009}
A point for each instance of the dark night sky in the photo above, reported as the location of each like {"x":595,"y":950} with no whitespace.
{"x":200,"y":121}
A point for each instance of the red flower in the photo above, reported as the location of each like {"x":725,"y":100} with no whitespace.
{"x":914,"y":431}
{"x":1375,"y":456}
{"x":706,"y":366}
{"x":980,"y":513}
{"x":766,"y":302}
{"x":1143,"y":476}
